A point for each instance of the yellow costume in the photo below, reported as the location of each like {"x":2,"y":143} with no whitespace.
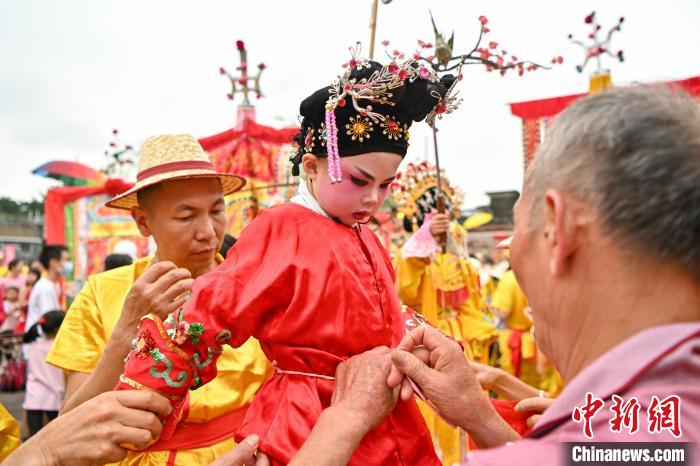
{"x":508,"y":299}
{"x":443,"y":287}
{"x":86,"y":329}
{"x":9,"y":434}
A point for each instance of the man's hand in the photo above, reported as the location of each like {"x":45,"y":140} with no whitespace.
{"x":438,"y":366}
{"x":94,"y":432}
{"x":439,"y":225}
{"x":440,"y":370}
{"x":244,"y":454}
{"x":161,"y":289}
{"x":536,"y":404}
{"x":488,"y":376}
{"x":361,"y":390}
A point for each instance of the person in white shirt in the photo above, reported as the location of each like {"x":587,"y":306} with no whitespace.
{"x":47,"y":293}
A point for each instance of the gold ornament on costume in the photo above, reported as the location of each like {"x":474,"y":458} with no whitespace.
{"x":359,"y":128}
{"x":415,"y":192}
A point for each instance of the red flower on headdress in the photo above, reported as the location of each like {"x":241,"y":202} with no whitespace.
{"x":393,"y":68}
{"x":483,"y":19}
{"x":589,"y":18}
{"x":385,"y":43}
{"x":222,"y":70}
{"x":493,"y":45}
{"x":240,"y":45}
{"x":261,"y":66}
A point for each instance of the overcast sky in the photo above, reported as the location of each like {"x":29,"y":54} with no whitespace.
{"x":73,"y":70}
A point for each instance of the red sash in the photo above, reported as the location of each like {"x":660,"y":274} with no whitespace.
{"x":515,"y":344}
{"x":516,"y":420}
{"x":191,"y":435}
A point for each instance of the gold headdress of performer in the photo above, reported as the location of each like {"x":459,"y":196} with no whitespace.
{"x":415,"y":193}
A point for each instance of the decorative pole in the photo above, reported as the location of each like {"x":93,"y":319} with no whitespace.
{"x":600,"y":79}
{"x":118,"y":158}
{"x":244,"y":84}
{"x":373,"y":25}
{"x":246,"y":111}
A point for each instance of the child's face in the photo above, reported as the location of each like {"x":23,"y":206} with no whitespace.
{"x":366,"y":180}
{"x":11,"y":295}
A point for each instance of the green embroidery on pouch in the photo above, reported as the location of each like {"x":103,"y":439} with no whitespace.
{"x":211,"y":352}
{"x":165,"y":373}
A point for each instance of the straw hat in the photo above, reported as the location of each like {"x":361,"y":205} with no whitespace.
{"x":173,"y":157}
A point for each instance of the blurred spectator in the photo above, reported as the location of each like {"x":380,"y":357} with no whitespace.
{"x":117,"y":260}
{"x":45,"y":384}
{"x":33,"y":276}
{"x":226,"y":244}
{"x":36,"y":265}
{"x":11,"y":307}
{"x":14,"y":277}
{"x":47,"y":294}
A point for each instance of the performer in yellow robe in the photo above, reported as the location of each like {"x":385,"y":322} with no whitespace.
{"x":516,"y":342}
{"x":83,"y":337}
{"x":443,"y":287}
{"x":519,"y":353}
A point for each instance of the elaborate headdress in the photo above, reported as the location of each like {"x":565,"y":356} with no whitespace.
{"x":415,"y":193}
{"x":370,"y":108}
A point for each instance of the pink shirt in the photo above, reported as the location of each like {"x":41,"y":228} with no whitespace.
{"x":657,"y":362}
{"x":19,"y":282}
{"x":45,"y":383}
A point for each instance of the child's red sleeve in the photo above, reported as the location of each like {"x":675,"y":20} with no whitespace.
{"x":227,"y":304}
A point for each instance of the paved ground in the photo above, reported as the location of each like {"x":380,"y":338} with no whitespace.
{"x":13,"y":402}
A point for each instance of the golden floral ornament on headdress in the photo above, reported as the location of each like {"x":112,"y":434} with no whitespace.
{"x":391,"y":128}
{"x":359,"y":128}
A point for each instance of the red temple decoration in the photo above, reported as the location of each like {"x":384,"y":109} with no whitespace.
{"x":537,"y":115}
{"x":257,"y":152}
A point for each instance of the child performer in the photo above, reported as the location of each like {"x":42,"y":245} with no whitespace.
{"x":307,"y":278}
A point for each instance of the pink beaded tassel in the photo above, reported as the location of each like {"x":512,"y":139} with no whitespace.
{"x":332,"y":144}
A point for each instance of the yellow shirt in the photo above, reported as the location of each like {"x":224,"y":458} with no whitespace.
{"x":91,"y":320}
{"x":510,"y":298}
{"x":9,"y":433}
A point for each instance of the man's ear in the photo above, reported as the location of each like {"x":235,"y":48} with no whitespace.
{"x":139,"y":215}
{"x":559,"y":230}
{"x":311,"y":165}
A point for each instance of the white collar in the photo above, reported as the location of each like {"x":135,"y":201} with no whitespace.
{"x":305,"y":199}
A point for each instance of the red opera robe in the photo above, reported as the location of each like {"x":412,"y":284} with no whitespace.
{"x":313,"y":292}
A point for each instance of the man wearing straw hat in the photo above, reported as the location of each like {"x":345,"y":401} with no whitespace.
{"x":179,"y":200}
